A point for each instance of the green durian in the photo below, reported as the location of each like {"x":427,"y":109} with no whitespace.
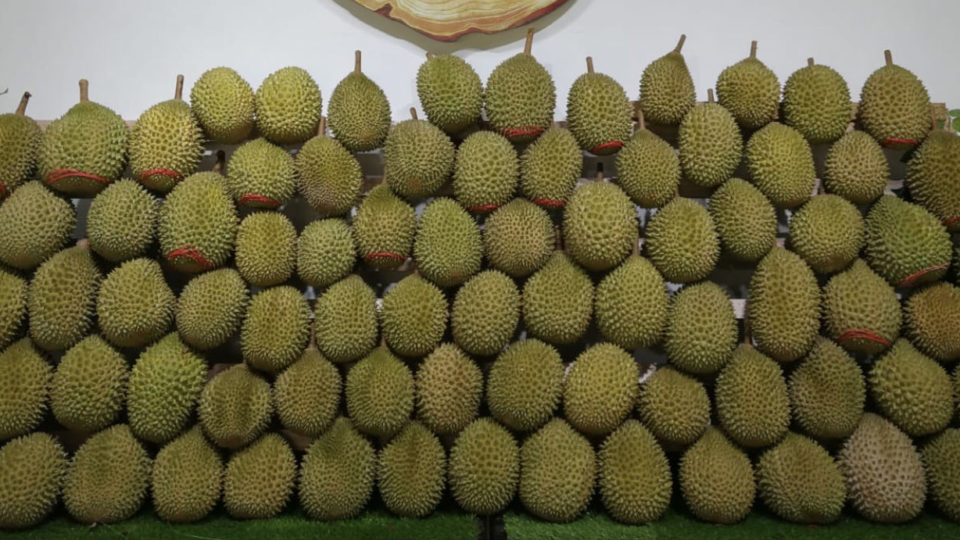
{"x":648,"y":168}
{"x":345,"y":320}
{"x":524,"y":385}
{"x":122,"y":221}
{"x":780,"y":164}
{"x":166,"y":143}
{"x":931,"y":177}
{"x":306,"y":395}
{"x":716,"y":479}
{"x":520,"y":96}
{"x":288,"y":106}
{"x":224,"y":105}
{"x":827,"y":232}
{"x":485,"y":173}
{"x":62,"y":298}
{"x":25,"y":389}
{"x":630,"y":304}
{"x":359,"y":112}
{"x":599,"y":225}
{"x":379,"y":394}
{"x":894,"y":106}
{"x":666,"y":88}
{"x":450,"y":92}
{"x":449,"y":390}
{"x":634,"y":475}
{"x":751,"y":398}
{"x":34,"y":225}
{"x":32,"y":468}
{"x":557,"y":472}
{"x":266,"y":249}
{"x":682,"y":241}
{"x":418,"y":158}
{"x":750,"y":91}
{"x":326,"y":252}
{"x":860,"y":310}
{"x":261,"y":175}
{"x":412,"y":471}
{"x":187,"y":478}
{"x":856,"y":168}
{"x":259,"y":479}
{"x":13,"y":306}
{"x":827,"y":392}
{"x":558,"y":301}
{"x":211,"y":307}
{"x":337,"y":473}
{"x":276,"y":328}
{"x":550,"y":167}
{"x":709,"y":143}
{"x":328,"y":176}
{"x":384,"y":228}
{"x":745,"y":220}
{"x":816,"y":102}
{"x":20,"y":139}
{"x":783,"y":306}
{"x":701,"y":330}
{"x":89,"y":388}
{"x":906,"y":244}
{"x":518,"y":238}
{"x":485,"y":313}
{"x":484,"y":468}
{"x":447,"y":248}
{"x":84,"y":150}
{"x":413,"y":316}
{"x":598,"y":112}
{"x":600,"y":389}
{"x":235,"y":407}
{"x":135,"y":306}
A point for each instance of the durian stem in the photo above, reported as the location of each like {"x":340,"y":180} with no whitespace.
{"x":710,"y":95}
{"x":747,"y":334}
{"x":84,"y":91}
{"x":810,"y":62}
{"x":641,"y":124}
{"x":178,"y":92}
{"x":683,"y":38}
{"x":753,"y":49}
{"x":413,"y":113}
{"x":356,"y":61}
{"x":221,"y":159}
{"x":636,"y":248}
{"x":599,"y":176}
{"x":589,"y":64}
{"x":558,"y":238}
{"x":528,"y":45}
{"x":888,"y":57}
{"x":322,"y":127}
{"x":22,"y":107}
{"x":83,"y":243}
{"x":430,"y":55}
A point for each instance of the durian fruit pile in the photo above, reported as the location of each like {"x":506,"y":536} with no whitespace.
{"x":197,"y":346}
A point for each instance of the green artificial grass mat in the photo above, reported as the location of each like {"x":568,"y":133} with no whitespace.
{"x":597,"y":525}
{"x":442,"y":524}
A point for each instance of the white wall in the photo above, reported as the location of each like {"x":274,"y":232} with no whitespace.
{"x":131,"y":50}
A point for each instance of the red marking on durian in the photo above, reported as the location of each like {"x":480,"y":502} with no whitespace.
{"x":483,"y":208}
{"x":3,"y":191}
{"x":522,"y":131}
{"x":383,"y":255}
{"x":909,"y":280}
{"x":606,"y":146}
{"x":191,"y":253}
{"x":255,"y":197}
{"x":60,"y":174}
{"x":893,"y":141}
{"x":161,"y":172}
{"x":946,"y":222}
{"x":860,"y":333}
{"x":549,"y":203}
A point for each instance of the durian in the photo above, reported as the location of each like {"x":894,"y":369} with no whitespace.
{"x":485,"y":173}
{"x":558,"y":301}
{"x":701,"y":330}
{"x":912,"y":390}
{"x":20,"y":139}
{"x":413,"y":316}
{"x":856,"y":168}
{"x":745,"y":220}
{"x":666,"y":88}
{"x":648,"y":168}
{"x":448,"y":248}
{"x":345,"y":320}
{"x":418,"y":158}
{"x":166,"y":143}
{"x":634,"y":475}
{"x":780,"y":164}
{"x":306,"y":395}
{"x":827,"y":392}
{"x":31,"y":475}
{"x":800,"y":481}
{"x":328,"y":176}
{"x":750,"y":91}
{"x":258,"y":480}
{"x":827,"y":232}
{"x":716,"y":479}
{"x":932,"y":317}
{"x":860,"y":310}
{"x":783,"y":306}
{"x":276,"y":329}
{"x":384,"y":228}
{"x":337,"y":473}
{"x":598,"y":112}
{"x":261,"y":175}
{"x":187,"y":478}
{"x":631,"y":303}
{"x":379,"y":394}
{"x":89,"y":388}
{"x":359,"y":112}
{"x":450,"y":92}
{"x":674,"y":407}
{"x":449,"y":389}
{"x":211,"y":308}
{"x":485,"y":313}
{"x":751,"y":398}
{"x":518,"y":238}
{"x":135,"y":306}
{"x":816,"y":102}
{"x":484,"y":467}
{"x":932,"y":178}
{"x":557,"y":472}
{"x":894,"y":106}
{"x":34,"y":224}
{"x":122,"y":221}
{"x":266,"y":249}
{"x":709,"y":144}
{"x":520,"y":96}
{"x":62,"y":298}
{"x":326,"y":252}
{"x":235,"y":407}
{"x":224,"y":105}
{"x":600,"y":389}
{"x":599,"y":225}
{"x":524,"y":385}
{"x":905,"y":244}
{"x":288,"y":105}
{"x":550,"y":167}
{"x":412,"y":471}
{"x":25,"y":389}
{"x":682,"y":241}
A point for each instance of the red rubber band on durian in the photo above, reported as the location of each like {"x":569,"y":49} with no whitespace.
{"x":951,"y":221}
{"x":161,"y":172}
{"x":60,"y":174}
{"x":550,"y":203}
{"x":483,"y":208}
{"x":607,"y":145}
{"x":893,"y":141}
{"x":254,"y":197}
{"x":522,"y":131}
{"x":383,"y":255}
{"x":191,"y":253}
{"x":908,"y":281}
{"x":3,"y":191}
{"x":860,"y":333}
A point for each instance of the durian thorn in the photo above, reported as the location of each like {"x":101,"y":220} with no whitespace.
{"x":528,"y":44}
{"x":178,"y":92}
{"x":710,"y":98}
{"x":888,"y":57}
{"x":322,"y":126}
{"x":753,"y":49}
{"x":22,"y":107}
{"x":356,"y":61}
{"x":589,"y":64}
{"x":84,"y":91}
{"x":413,"y":113}
{"x":810,"y":62}
{"x":683,"y":38}
{"x":83,"y":243}
{"x":221,"y":159}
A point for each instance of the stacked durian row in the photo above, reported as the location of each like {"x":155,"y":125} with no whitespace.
{"x":471,"y":373}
